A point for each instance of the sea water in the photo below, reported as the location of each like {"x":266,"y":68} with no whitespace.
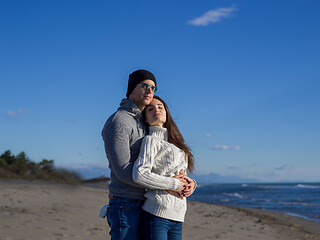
{"x":297,"y":199}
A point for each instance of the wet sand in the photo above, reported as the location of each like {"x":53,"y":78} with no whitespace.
{"x":40,"y":210}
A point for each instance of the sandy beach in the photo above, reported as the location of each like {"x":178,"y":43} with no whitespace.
{"x":34,"y":210}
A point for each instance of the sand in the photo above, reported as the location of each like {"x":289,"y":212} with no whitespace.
{"x":39,"y":210}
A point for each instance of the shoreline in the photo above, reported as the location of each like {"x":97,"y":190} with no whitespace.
{"x":271,"y":212}
{"x":292,"y":221}
{"x":307,"y":225}
{"x":45,"y":210}
{"x":268,"y":224}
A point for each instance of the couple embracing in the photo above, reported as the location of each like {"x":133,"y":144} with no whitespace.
{"x":148,"y":159}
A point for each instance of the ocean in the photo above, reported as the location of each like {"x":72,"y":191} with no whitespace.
{"x":297,"y":199}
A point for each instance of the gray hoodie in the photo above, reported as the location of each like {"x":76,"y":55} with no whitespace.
{"x":122,"y":135}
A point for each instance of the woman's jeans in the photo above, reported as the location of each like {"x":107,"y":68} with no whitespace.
{"x":123,"y":217}
{"x":158,"y":228}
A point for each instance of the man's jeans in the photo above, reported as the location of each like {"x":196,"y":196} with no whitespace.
{"x":158,"y":228}
{"x":123,"y":217}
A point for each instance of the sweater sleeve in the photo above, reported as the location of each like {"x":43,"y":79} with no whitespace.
{"x":142,"y":174}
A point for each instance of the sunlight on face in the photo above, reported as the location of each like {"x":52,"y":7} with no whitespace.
{"x":156,"y":113}
{"x":140,"y":96}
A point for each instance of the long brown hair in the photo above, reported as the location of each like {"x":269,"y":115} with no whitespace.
{"x":174,"y":135}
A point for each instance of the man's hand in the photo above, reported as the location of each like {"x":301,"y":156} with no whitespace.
{"x":174,"y":193}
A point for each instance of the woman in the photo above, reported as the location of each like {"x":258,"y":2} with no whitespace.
{"x":163,"y":154}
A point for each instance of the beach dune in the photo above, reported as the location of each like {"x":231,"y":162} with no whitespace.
{"x":40,"y":210}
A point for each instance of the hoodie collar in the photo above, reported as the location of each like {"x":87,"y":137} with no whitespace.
{"x":130,"y":106}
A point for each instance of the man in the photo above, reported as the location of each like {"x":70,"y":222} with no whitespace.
{"x":122,"y":135}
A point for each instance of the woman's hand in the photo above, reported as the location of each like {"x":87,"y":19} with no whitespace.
{"x":180,"y":192}
{"x":190,"y":189}
{"x":187,"y":186}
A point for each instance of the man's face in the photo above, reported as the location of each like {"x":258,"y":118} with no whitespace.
{"x":141,"y":96}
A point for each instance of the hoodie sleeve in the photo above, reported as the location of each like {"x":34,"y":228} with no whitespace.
{"x":142,"y":174}
{"x":116,"y":137}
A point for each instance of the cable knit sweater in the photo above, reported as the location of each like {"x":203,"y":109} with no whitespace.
{"x":158,"y":161}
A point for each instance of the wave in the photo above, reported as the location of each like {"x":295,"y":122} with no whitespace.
{"x":300,"y":204}
{"x":301,"y":216}
{"x":307,"y":186}
{"x":234,"y":195}
{"x":201,"y":185}
{"x":274,"y":186}
{"x":287,"y":186}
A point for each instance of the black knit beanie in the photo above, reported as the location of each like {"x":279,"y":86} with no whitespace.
{"x":137,"y":77}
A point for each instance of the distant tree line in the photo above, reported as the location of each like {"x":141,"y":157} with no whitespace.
{"x":20,"y":166}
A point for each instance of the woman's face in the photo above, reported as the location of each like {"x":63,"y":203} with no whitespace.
{"x":156,"y":113}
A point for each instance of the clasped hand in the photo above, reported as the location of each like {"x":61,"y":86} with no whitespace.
{"x":187,"y":186}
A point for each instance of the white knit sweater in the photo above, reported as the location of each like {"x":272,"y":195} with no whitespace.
{"x":157,"y":163}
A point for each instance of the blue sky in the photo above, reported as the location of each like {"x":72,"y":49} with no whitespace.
{"x":240,"y":77}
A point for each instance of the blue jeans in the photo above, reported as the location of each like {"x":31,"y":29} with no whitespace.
{"x":158,"y":228}
{"x":123,"y":217}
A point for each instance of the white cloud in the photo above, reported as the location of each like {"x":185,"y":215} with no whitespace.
{"x":14,"y":114}
{"x":208,"y":134}
{"x":225,"y":147}
{"x":235,"y":168}
{"x":22,"y":111}
{"x":213,"y":16}
{"x":10,"y":113}
{"x":284,"y":167}
{"x":72,"y":120}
